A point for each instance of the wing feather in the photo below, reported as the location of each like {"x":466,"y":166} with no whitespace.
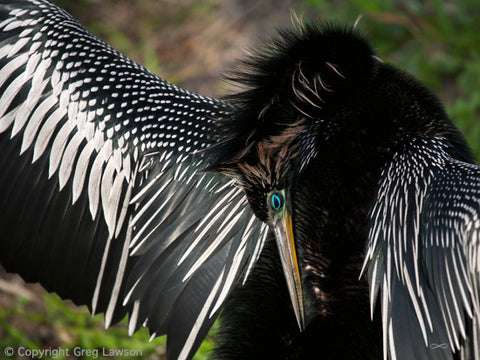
{"x":422,"y":253}
{"x":105,"y":198}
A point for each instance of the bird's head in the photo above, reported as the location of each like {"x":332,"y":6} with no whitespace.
{"x":316,"y":92}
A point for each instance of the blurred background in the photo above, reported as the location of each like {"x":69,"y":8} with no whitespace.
{"x":192,"y":43}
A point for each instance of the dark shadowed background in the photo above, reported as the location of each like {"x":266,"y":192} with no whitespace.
{"x":192,"y":43}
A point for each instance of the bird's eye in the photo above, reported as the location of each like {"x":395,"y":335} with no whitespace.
{"x":276,"y":201}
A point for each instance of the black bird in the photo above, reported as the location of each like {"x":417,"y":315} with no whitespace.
{"x":330,"y":180}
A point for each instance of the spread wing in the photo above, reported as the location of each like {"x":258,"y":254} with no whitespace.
{"x":424,"y":255}
{"x":104,"y":195}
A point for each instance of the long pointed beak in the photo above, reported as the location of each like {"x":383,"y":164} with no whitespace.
{"x":284,"y":236}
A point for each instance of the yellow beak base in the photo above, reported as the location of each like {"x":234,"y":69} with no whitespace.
{"x":286,"y":246}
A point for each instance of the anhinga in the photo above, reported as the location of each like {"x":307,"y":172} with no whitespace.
{"x":332,"y":189}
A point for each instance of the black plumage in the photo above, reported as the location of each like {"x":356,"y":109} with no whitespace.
{"x":332,"y":179}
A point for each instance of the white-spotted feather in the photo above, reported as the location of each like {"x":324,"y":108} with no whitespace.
{"x":126,"y":150}
{"x":424,"y":248}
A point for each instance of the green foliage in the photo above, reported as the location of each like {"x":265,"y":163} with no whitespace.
{"x":126,"y":45}
{"x":57,"y":324}
{"x":437,"y":41}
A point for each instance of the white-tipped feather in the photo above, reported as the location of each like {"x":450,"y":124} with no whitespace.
{"x":81,"y":171}
{"x":112,"y":304}
{"x":36,"y":119}
{"x":8,"y":95}
{"x":200,"y":319}
{"x":95,"y":179}
{"x":113,"y":201}
{"x":6,"y":120}
{"x":46,"y":131}
{"x":256,"y":253}
{"x":5,"y":73}
{"x":106,"y":184}
{"x":212,"y":216}
{"x":33,"y":61}
{"x":229,"y":281}
{"x":58,"y":147}
{"x":212,"y":247}
{"x":132,"y":322}
{"x":68,"y":159}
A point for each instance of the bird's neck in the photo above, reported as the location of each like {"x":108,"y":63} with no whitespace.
{"x":331,"y":217}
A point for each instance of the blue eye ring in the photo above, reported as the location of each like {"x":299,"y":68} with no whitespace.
{"x":276,"y":201}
